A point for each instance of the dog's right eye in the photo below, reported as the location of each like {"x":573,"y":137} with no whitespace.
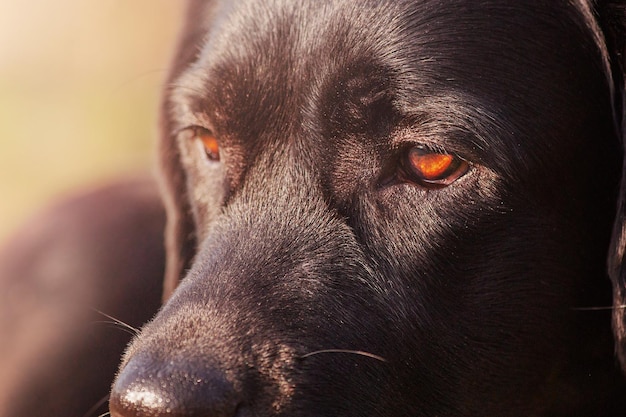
{"x":208,"y":142}
{"x":433,"y":169}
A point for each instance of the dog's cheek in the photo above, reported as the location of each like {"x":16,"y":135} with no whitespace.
{"x":459,"y":270}
{"x":208,"y":199}
{"x":206,"y":185}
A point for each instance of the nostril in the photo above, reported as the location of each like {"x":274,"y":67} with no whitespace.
{"x":148,"y":389}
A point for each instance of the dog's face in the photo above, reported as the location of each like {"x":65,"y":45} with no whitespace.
{"x":387,"y":209}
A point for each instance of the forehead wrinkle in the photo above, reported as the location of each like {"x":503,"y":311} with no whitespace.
{"x":253,"y":69}
{"x":295,"y":56}
{"x":273,"y":52}
{"x":253,"y":38}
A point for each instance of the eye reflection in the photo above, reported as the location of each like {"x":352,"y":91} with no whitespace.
{"x":433,"y":168}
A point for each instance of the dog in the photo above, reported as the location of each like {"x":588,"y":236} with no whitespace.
{"x":390,"y":208}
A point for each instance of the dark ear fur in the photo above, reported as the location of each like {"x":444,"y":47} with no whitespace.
{"x":612,"y":16}
{"x":180,"y":240}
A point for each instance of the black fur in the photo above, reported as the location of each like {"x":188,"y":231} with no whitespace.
{"x":321,"y":280}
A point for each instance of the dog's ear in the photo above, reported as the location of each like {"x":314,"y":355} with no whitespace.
{"x":180,"y":239}
{"x":612,"y":17}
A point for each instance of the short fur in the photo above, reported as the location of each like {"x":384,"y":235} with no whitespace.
{"x":319,"y":281}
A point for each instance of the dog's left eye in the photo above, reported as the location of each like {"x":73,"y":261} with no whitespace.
{"x":208,"y":141}
{"x":433,"y":169}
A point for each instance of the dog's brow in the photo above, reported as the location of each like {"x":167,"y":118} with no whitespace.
{"x":188,"y":98}
{"x":458,"y":121}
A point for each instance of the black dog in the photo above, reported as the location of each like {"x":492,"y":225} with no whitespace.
{"x":389,"y":208}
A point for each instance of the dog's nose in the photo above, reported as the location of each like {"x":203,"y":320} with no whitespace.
{"x":148,"y":389}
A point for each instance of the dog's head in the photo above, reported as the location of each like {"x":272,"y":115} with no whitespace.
{"x":388,"y":208}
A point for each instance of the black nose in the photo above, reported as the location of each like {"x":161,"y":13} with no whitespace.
{"x":148,"y":388}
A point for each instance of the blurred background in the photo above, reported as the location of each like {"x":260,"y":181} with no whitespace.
{"x":79,"y":91}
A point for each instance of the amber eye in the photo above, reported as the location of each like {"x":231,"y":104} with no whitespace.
{"x":209,"y":143}
{"x":434,"y":168}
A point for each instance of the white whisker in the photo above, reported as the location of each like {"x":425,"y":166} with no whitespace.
{"x":620,"y":307}
{"x":354,"y":352}
{"x":120,"y":323}
{"x":96,"y":406}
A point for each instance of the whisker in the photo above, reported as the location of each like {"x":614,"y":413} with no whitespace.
{"x":620,"y":307}
{"x":354,"y":352}
{"x":96,"y":406}
{"x":194,"y":90}
{"x":108,"y":413}
{"x":120,"y":323}
{"x":117,"y":326}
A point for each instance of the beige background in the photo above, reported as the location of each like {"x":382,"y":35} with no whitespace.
{"x":79,"y":86}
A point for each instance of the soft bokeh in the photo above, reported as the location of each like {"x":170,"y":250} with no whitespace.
{"x":79,"y":89}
